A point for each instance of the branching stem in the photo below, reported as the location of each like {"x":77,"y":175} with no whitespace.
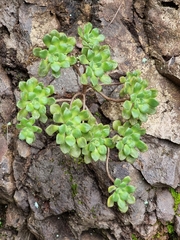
{"x":111,"y":99}
{"x":107,"y":166}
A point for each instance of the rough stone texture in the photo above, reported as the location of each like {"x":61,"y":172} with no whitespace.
{"x":54,"y":187}
{"x":7,"y":107}
{"x":14,"y":217}
{"x":131,"y":57}
{"x":177,"y":225}
{"x":7,"y":185}
{"x":40,"y":22}
{"x":166,"y":13}
{"x":68,"y":82}
{"x":48,"y":196}
{"x":165,"y":203}
{"x":160,"y":164}
{"x":21,"y":200}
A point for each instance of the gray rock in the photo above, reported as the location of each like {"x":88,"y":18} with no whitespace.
{"x":177,"y":225}
{"x":21,"y":200}
{"x":160,"y":165}
{"x":38,"y":23}
{"x":51,"y":180}
{"x":167,"y":16}
{"x":54,"y":227}
{"x":7,"y":185}
{"x":23,"y":149}
{"x":67,"y":82}
{"x":5,"y":84}
{"x":14,"y":217}
{"x":165,"y":203}
{"x":7,"y":106}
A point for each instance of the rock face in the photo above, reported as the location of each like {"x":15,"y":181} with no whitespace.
{"x":45,"y":194}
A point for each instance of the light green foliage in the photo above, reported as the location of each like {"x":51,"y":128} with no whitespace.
{"x":142,"y":101}
{"x":122,"y":194}
{"x":56,"y":56}
{"x":170,"y":228}
{"x":96,"y":57}
{"x":32,"y":105}
{"x":77,"y":131}
{"x":176,"y":197}
{"x":128,"y":140}
{"x":134,"y":237}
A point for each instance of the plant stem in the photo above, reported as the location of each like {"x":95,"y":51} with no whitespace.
{"x":111,"y":99}
{"x":75,"y":96}
{"x":107,"y":166}
{"x":63,"y":100}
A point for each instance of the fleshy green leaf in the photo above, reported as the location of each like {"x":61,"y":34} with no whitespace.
{"x":60,"y":138}
{"x":47,"y":40}
{"x":51,"y":129}
{"x":55,"y":66}
{"x":70,"y":140}
{"x":111,"y":189}
{"x":110,"y":202}
{"x":105,"y":79}
{"x":75,"y":151}
{"x":43,"y":53}
{"x":81,"y":142}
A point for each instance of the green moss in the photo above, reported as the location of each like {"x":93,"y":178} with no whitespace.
{"x":170,"y":229}
{"x":74,"y":187}
{"x":133,"y":236}
{"x":176,"y":197}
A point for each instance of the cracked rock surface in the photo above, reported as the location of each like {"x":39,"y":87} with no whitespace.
{"x":44,"y":194}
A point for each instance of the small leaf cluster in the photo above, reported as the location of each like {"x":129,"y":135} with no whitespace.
{"x":95,"y":57}
{"x":56,"y":56}
{"x":32,"y":104}
{"x":122,"y":194}
{"x":142,"y":101}
{"x":28,"y":129}
{"x":78,"y":134}
{"x":128,"y":140}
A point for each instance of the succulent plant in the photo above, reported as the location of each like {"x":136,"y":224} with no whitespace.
{"x":77,"y":131}
{"x":122,"y":194}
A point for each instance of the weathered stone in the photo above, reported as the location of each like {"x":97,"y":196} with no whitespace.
{"x":164,"y":38}
{"x":7,"y":106}
{"x":165,"y":203}
{"x":49,"y":183}
{"x":5,"y":85}
{"x":160,"y":164}
{"x":23,"y":149}
{"x":38,"y":23}
{"x":168,"y":110}
{"x":21,"y":200}
{"x":67,"y":82}
{"x":14,"y":217}
{"x":51,"y":179}
{"x":7,"y":19}
{"x":7,"y":185}
{"x":177,"y":225}
{"x":54,"y":227}
{"x":120,"y":36}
